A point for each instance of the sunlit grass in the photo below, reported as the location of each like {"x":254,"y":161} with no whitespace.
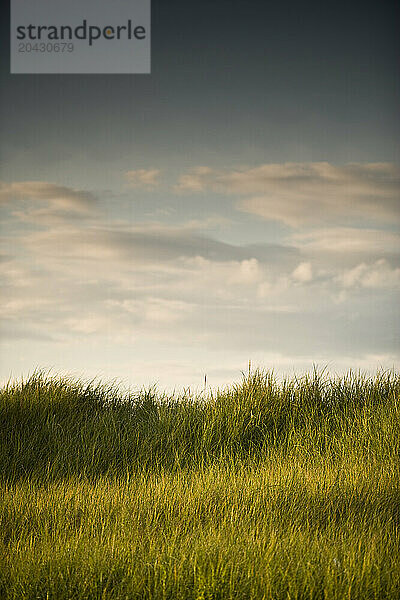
{"x":265,"y":490}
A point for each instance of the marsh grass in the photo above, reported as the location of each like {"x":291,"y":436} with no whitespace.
{"x":273,"y":490}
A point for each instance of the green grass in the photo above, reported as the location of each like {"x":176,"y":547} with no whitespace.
{"x":265,"y":490}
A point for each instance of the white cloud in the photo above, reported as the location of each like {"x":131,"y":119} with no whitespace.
{"x":246,"y":272}
{"x":145,"y":178}
{"x":89,"y":324}
{"x":303,"y":272}
{"x":196,"y":181}
{"x":348,"y":240}
{"x":377,"y":275}
{"x":154,"y":310}
{"x":307,"y":193}
{"x":52,"y":196}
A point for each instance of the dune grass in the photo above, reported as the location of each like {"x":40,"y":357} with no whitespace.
{"x":270,"y":490}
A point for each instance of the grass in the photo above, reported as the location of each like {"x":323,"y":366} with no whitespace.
{"x":264,"y":490}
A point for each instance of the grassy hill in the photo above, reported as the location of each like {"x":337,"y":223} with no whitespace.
{"x":270,"y":490}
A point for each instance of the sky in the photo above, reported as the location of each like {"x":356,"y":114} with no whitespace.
{"x":240,"y":203}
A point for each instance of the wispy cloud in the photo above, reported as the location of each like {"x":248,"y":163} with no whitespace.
{"x":45,"y":203}
{"x":347,"y":240}
{"x":307,"y":193}
{"x":143,"y":178}
{"x":57,"y":196}
{"x":146,"y":243}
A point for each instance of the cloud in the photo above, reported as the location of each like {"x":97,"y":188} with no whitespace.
{"x":247,"y":273}
{"x":199,"y":180}
{"x":144,"y":178}
{"x":303,"y":272}
{"x":59,"y":198}
{"x":378,"y":275}
{"x":348,"y":240}
{"x":306,"y":193}
{"x":229,"y":302}
{"x":155,"y":311}
{"x":148,"y":287}
{"x":147,"y":243}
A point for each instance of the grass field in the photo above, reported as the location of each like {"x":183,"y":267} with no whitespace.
{"x":265,"y":490}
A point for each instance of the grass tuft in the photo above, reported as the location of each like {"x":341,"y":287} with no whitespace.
{"x":267,"y":489}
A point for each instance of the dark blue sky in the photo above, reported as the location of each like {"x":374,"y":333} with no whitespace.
{"x":230,"y":79}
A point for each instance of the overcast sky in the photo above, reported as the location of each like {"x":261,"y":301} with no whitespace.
{"x":240,"y":203}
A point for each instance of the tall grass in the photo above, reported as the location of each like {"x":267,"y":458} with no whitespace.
{"x":264,"y":490}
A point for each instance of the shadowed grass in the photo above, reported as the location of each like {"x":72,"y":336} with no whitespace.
{"x":264,"y":490}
